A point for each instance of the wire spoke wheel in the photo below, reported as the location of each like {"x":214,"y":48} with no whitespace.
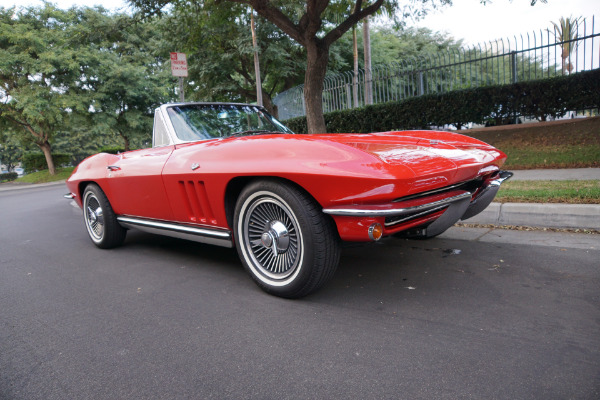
{"x":100,"y":219}
{"x":271,"y":233}
{"x":286,"y":243}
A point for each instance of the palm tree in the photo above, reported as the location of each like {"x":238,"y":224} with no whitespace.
{"x":565,"y":32}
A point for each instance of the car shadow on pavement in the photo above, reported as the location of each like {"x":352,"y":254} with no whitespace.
{"x":182,"y":250}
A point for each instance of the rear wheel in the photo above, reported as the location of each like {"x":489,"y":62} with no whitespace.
{"x":286,"y":243}
{"x":100,"y":219}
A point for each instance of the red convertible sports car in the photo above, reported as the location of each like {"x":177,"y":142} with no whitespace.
{"x":232,"y":175}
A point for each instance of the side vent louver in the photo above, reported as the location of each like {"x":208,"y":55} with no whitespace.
{"x":196,"y":202}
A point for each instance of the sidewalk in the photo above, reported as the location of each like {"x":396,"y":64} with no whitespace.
{"x":19,"y":186}
{"x":545,"y":215}
{"x":542,"y":215}
{"x":571,"y":174}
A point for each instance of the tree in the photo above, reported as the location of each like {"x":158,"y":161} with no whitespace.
{"x":317,"y":34}
{"x":217,"y":41}
{"x":79,"y":75}
{"x":315,"y":25}
{"x":310,"y":31}
{"x":304,"y":23}
{"x":84,"y":136}
{"x":126,"y":75}
{"x":10,"y":152}
{"x":565,"y":32}
{"x":390,"y":45}
{"x":311,"y":25}
{"x":38,"y":69}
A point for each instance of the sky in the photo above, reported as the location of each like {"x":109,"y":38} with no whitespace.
{"x":465,"y":19}
{"x":477,"y":23}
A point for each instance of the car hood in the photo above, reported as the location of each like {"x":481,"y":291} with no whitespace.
{"x":427,"y":153}
{"x":356,"y":165}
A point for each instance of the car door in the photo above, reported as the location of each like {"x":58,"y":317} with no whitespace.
{"x":136,"y":186}
{"x":195,"y":184}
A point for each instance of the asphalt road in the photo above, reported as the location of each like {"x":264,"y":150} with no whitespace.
{"x":161,"y":318}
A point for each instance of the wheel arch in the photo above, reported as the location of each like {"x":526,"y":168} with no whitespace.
{"x":81,"y":186}
{"x":236,"y":185}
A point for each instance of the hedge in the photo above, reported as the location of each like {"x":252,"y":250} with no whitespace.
{"x":37,"y":161}
{"x":9,"y":176}
{"x":541,"y":99}
{"x":112,"y":150}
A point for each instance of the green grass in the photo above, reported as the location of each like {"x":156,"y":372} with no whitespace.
{"x":44,"y":176}
{"x":552,"y":157}
{"x":559,"y":144}
{"x":571,"y":192}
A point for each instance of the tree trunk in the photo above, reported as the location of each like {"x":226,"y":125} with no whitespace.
{"x":125,"y":141}
{"x":316,"y":68}
{"x":268,"y":104}
{"x":46,"y":149}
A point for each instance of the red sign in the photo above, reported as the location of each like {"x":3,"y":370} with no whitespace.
{"x":179,"y":64}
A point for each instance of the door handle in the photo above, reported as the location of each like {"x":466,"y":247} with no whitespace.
{"x":113,"y":168}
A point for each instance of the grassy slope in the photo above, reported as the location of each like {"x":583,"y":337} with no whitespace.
{"x":571,"y":143}
{"x":559,"y":144}
{"x":572,"y":192}
{"x":44,"y":176}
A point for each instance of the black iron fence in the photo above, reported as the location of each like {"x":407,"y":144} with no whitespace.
{"x":532,"y":56}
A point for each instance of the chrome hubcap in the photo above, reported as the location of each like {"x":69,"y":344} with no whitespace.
{"x":271,"y":238}
{"x":276,"y":238}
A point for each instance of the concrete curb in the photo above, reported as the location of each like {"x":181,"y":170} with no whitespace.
{"x":20,"y":186}
{"x":545,"y":215}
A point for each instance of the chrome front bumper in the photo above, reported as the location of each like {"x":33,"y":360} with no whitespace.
{"x":457,"y":204}
{"x":395,"y":210}
{"x":486,"y":195}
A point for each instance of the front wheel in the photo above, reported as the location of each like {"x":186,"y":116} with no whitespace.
{"x":100,"y":219}
{"x":286,"y":243}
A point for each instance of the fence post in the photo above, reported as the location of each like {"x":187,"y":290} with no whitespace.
{"x":421,"y":85}
{"x":513,"y":63}
{"x":349,"y":96}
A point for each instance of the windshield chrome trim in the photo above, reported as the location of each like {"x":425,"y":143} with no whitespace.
{"x":171,"y":130}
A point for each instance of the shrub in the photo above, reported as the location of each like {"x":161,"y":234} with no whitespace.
{"x":111,"y":150}
{"x":37,"y":161}
{"x":9,"y":176}
{"x":541,"y":99}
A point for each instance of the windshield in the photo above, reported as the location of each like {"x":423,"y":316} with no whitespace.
{"x":209,"y":121}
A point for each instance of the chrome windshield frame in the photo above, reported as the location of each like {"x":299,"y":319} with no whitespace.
{"x":174,"y":139}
